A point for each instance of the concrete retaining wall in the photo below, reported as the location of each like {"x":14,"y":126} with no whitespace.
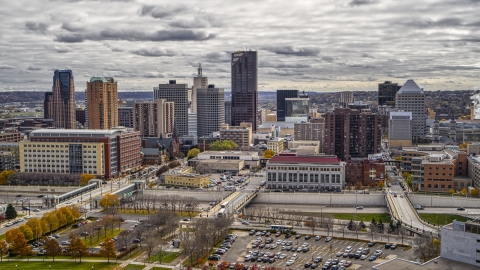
{"x":202,"y":196}
{"x":26,"y":191}
{"x":444,"y":201}
{"x":321,"y":199}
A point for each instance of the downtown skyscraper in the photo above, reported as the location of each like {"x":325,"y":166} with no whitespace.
{"x":59,"y":104}
{"x":244,"y":70}
{"x":177,"y":93}
{"x":101,"y":100}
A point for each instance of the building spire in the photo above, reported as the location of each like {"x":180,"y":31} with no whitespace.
{"x":175,"y":129}
{"x":199,"y":70}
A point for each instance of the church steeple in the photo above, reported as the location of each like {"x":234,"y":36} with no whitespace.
{"x":175,"y":130}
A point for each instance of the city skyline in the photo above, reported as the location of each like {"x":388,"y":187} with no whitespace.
{"x":338,"y":46}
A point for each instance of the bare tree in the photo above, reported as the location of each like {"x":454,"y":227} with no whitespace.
{"x":402,"y":232}
{"x":373,"y":229}
{"x":203,"y":168}
{"x":426,"y":247}
{"x":151,"y":244}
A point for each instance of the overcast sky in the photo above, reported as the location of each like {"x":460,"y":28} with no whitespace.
{"x":324,"y":45}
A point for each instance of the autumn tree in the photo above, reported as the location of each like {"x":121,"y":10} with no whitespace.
{"x":52,"y":220}
{"x":474,"y":192}
{"x":108,"y":249}
{"x":3,"y":249}
{"x":36,"y":226}
{"x":193,"y":153}
{"x":27,"y":232}
{"x":359,"y":186}
{"x":223,"y":145}
{"x":85,"y":178}
{"x":268,"y":153}
{"x":109,"y":201}
{"x":17,"y":241}
{"x":464,"y":191}
{"x":10,"y":212}
{"x":452,"y":191}
{"x":381,"y":184}
{"x":77,"y":247}
{"x":74,"y":211}
{"x":52,"y":248}
{"x":4,"y":177}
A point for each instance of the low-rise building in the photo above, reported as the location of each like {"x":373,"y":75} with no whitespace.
{"x":241,"y":135}
{"x":434,"y":168}
{"x":250,"y":158}
{"x":305,"y":172}
{"x":304,"y":148}
{"x":13,"y":148}
{"x":364,"y":170}
{"x":461,"y":242}
{"x":187,"y":180}
{"x":11,"y":136}
{"x":276,"y":145}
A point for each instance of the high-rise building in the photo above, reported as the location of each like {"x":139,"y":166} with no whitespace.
{"x":244,"y":87}
{"x":297,"y":109}
{"x":241,"y":135}
{"x":80,"y":116}
{"x":352,"y":133}
{"x":311,"y":131}
{"x":198,"y":82}
{"x":154,"y":119}
{"x":177,"y":93}
{"x":281,"y":107}
{"x":210,"y":110}
{"x":59,"y":105}
{"x":410,"y":98}
{"x":400,"y":130}
{"x":346,"y":98}
{"x":125,"y":117}
{"x":101,"y":101}
{"x":228,"y":112}
{"x":192,"y":124}
{"x":387,"y":92}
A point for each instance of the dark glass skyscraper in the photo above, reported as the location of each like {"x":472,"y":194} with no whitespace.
{"x":59,"y":105}
{"x":281,"y":96}
{"x":244,"y":88}
{"x":387,"y":92}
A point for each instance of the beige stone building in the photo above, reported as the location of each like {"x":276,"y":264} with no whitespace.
{"x":101,"y":101}
{"x":241,"y":135}
{"x":154,"y":119}
{"x":276,"y":145}
{"x":187,"y":180}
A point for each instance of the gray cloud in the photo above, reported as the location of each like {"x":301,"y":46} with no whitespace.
{"x":283,"y":65}
{"x":153,"y":52}
{"x":329,"y":59}
{"x":217,"y":57}
{"x":72,"y":27}
{"x":31,"y":67}
{"x":133,"y":35}
{"x":161,"y":12}
{"x":4,"y":66}
{"x":446,"y":22}
{"x":197,"y":22}
{"x":362,"y":2}
{"x":59,"y":49}
{"x":155,"y":74}
{"x":36,"y":27}
{"x":290,"y":50}
{"x":366,"y":55}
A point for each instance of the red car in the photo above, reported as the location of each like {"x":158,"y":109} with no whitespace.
{"x":348,"y":263}
{"x":278,"y":234}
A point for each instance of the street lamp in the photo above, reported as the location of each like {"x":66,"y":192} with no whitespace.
{"x":411,"y":223}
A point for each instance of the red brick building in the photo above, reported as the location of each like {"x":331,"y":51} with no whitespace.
{"x":364,"y":170}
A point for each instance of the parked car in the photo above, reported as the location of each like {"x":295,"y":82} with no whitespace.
{"x":387,"y":246}
{"x":328,"y":239}
{"x":371,"y":244}
{"x":318,"y":237}
{"x":394,"y":246}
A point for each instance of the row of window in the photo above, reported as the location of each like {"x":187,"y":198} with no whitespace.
{"x":58,"y":171}
{"x":303,"y":177}
{"x":305,"y":169}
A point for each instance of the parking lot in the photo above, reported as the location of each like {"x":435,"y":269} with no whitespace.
{"x":326,"y":250}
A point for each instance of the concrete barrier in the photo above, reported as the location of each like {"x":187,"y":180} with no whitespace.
{"x":444,"y":201}
{"x":333,"y":199}
{"x":202,"y":196}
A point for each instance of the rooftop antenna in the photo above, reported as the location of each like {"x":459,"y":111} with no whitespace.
{"x":199,"y":70}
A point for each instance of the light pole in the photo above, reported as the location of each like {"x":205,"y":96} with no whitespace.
{"x":411,"y":223}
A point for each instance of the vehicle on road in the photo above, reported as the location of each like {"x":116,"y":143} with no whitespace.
{"x":64,"y":242}
{"x":418,"y":207}
{"x":461,"y":209}
{"x":359,"y":207}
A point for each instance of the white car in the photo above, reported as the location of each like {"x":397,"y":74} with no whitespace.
{"x":290,"y":262}
{"x":282,"y":256}
{"x":278,"y":242}
{"x":378,"y":252}
{"x":64,"y":242}
{"x":294,"y":256}
{"x":9,"y":224}
{"x":348,"y":249}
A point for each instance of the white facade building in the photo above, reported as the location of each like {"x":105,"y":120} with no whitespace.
{"x":306,"y":172}
{"x":461,"y":242}
{"x":411,"y":98}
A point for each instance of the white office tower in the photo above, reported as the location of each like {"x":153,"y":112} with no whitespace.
{"x":198,"y":82}
{"x":210,"y":110}
{"x":177,"y":93}
{"x":400,"y":130}
{"x":411,"y":98}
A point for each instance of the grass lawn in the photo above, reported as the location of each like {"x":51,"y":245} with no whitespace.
{"x":96,"y":241}
{"x":133,"y":267}
{"x":57,"y":265}
{"x":442,"y":218}
{"x":2,"y":237}
{"x":363,"y":217}
{"x":167,"y":258}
